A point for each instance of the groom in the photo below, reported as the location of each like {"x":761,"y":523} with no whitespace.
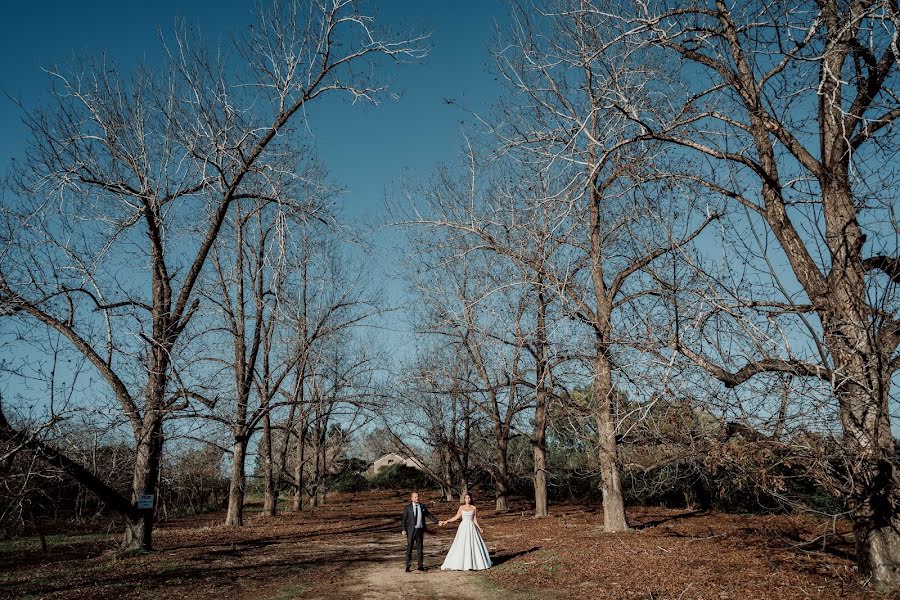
{"x":414,"y":528}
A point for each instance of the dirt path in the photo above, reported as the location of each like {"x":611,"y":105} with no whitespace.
{"x":381,"y":574}
{"x":382,"y":580}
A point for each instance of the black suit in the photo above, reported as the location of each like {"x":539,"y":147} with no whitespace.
{"x":416,"y":535}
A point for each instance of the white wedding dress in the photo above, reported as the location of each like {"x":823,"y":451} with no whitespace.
{"x":468,"y":551}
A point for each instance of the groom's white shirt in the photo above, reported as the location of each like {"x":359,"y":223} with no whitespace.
{"x":418,"y":512}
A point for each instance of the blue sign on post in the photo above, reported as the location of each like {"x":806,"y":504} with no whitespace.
{"x":145,"y":502}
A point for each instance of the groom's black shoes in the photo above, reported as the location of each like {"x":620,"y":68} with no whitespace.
{"x":407,"y":569}
{"x":421,"y":568}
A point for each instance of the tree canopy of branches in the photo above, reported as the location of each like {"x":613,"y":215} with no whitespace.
{"x":789,"y":110}
{"x":143,"y":169}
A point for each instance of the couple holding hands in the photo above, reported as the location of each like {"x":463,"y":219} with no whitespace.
{"x":468,"y":551}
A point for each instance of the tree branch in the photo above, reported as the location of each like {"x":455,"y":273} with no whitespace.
{"x":769,"y":365}
{"x":890,"y":265}
{"x":54,"y":457}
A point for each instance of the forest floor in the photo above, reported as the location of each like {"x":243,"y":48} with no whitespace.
{"x":353,"y":548}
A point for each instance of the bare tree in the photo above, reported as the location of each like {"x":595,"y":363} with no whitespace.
{"x":326,"y":293}
{"x":154,"y":162}
{"x":247,"y":297}
{"x":792,"y":109}
{"x":604,"y":233}
{"x":429,"y":411}
{"x":498,"y":372}
{"x":475,"y":301}
{"x":568,"y":70}
{"x":341,"y":403}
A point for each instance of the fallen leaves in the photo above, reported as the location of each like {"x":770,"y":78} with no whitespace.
{"x":669,"y":554}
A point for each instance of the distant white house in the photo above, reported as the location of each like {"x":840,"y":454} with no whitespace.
{"x":390,"y":459}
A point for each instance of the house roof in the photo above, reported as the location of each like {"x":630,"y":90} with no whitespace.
{"x":389,"y":455}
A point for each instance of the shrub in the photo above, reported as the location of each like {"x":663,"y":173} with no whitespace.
{"x":349,"y":482}
{"x":399,"y":477}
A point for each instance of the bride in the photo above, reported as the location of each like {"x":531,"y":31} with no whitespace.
{"x":468,"y":551}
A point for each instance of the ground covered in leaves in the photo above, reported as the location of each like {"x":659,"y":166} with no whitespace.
{"x":353,"y":548}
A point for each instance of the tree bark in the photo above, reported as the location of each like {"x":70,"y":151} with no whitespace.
{"x":145,"y":481}
{"x":611,"y":484}
{"x":314,"y":489}
{"x":321,"y":485}
{"x":540,"y":482}
{"x":463,"y":489}
{"x":235,"y":516}
{"x":446,"y":474}
{"x":539,"y":435}
{"x":877,"y":546}
{"x":270,"y":502}
{"x":862,"y":375}
{"x":502,"y":474}
{"x":283,"y":453}
{"x":299,"y":459}
{"x":863,"y":395}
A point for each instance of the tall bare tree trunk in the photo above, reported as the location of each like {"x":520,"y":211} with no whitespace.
{"x":270,"y":501}
{"x":299,"y":459}
{"x":283,"y":454}
{"x":235,"y":516}
{"x":874,"y":499}
{"x":321,"y":486}
{"x":541,"y":508}
{"x":462,"y":456}
{"x":463,"y":488}
{"x":245,"y":359}
{"x":862,"y":371}
{"x":863,"y":393}
{"x":139,"y":529}
{"x":446,"y":474}
{"x":611,"y":484}
{"x":316,"y":465}
{"x":501,"y":479}
{"x":270,"y":498}
{"x":539,"y":434}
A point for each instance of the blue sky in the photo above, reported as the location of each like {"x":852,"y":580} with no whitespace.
{"x":366,"y":148}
